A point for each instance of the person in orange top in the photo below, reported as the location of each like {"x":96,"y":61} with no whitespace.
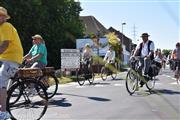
{"x":11,"y":55}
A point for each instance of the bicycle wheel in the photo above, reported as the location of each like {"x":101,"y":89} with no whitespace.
{"x":114,"y":74}
{"x":30,"y":105}
{"x":150,"y":83}
{"x":103,"y":73}
{"x":131,"y":82}
{"x":16,"y":94}
{"x":91,"y":76}
{"x":80,"y":76}
{"x":51,"y":84}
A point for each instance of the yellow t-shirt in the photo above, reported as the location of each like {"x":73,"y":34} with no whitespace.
{"x":14,"y":52}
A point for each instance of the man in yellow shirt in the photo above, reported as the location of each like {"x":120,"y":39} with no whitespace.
{"x":11,"y":55}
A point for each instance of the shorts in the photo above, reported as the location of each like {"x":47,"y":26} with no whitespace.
{"x":7,"y":70}
{"x":40,"y":65}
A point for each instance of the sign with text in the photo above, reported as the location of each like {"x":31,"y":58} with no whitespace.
{"x":70,"y":58}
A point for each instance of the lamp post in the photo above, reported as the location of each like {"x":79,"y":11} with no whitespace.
{"x":122,"y":41}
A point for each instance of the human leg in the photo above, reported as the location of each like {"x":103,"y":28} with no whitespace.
{"x":7,"y":70}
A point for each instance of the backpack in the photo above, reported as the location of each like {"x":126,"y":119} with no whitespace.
{"x":141,"y":45}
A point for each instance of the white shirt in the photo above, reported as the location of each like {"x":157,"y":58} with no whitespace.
{"x":110,"y":56}
{"x":144,"y":51}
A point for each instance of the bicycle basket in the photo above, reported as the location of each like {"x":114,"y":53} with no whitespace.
{"x":29,"y":72}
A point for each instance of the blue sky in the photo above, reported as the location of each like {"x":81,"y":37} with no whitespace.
{"x":160,"y":18}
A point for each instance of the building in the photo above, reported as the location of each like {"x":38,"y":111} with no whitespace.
{"x":92,"y":25}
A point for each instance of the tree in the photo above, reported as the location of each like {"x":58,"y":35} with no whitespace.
{"x":114,"y":41}
{"x":56,"y":20}
{"x":166,"y":52}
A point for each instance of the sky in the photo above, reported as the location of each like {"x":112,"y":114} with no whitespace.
{"x":159,"y":18}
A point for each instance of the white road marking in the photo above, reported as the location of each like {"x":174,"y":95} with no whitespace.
{"x":157,"y":83}
{"x":99,"y":86}
{"x":118,"y":84}
{"x":173,"y":83}
{"x":80,"y":86}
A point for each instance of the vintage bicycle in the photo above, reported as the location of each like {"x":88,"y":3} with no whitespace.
{"x":109,"y":69}
{"x":85,"y":72}
{"x":26,"y":97}
{"x":134,"y":75}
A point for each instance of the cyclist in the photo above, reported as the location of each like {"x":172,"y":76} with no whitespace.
{"x":11,"y":55}
{"x":176,"y":56}
{"x":87,"y":54}
{"x":109,"y":58}
{"x":146,"y":51}
{"x":37,"y":56}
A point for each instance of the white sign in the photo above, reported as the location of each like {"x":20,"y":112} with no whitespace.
{"x":70,"y":58}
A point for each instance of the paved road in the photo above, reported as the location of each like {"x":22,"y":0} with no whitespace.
{"x":109,"y":100}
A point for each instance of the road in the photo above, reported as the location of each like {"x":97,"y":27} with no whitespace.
{"x":109,"y":100}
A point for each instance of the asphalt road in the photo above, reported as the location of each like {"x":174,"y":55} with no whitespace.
{"x":109,"y":100}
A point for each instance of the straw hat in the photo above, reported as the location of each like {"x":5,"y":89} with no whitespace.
{"x":145,"y":35}
{"x":37,"y":36}
{"x":3,"y":12}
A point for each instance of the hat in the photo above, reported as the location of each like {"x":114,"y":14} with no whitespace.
{"x":145,"y":35}
{"x":3,"y":11}
{"x":37,"y":36}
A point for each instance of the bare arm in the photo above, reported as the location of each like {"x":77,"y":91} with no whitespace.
{"x":36,"y":57}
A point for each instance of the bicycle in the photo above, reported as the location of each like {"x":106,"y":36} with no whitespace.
{"x":27,"y":96}
{"x":85,"y":72}
{"x":134,"y":75}
{"x":109,"y":69}
{"x":48,"y":79}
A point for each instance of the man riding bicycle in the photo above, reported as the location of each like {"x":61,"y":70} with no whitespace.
{"x":146,"y":51}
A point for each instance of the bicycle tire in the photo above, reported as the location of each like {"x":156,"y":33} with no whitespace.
{"x":103,"y":73}
{"x":114,"y":74}
{"x":150,"y":83}
{"x":91,"y":79}
{"x":52,"y":86}
{"x":80,"y":76}
{"x":130,"y":77}
{"x":26,"y":104}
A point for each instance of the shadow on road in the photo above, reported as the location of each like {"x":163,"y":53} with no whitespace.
{"x":165,"y":91}
{"x":62,"y":102}
{"x":91,"y":98}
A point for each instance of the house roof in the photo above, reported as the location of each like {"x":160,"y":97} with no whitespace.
{"x":92,"y":25}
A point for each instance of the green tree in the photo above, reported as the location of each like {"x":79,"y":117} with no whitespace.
{"x":166,"y":52}
{"x":56,"y":20}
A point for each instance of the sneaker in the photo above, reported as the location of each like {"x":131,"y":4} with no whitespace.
{"x":4,"y":115}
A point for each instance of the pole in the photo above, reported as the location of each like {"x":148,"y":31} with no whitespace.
{"x":122,"y":41}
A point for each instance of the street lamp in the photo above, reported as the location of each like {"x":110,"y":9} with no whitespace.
{"x":122,"y":32}
{"x":122,"y":41}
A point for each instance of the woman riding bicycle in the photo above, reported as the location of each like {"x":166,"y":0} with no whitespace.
{"x":87,"y":55}
{"x":37,"y":56}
